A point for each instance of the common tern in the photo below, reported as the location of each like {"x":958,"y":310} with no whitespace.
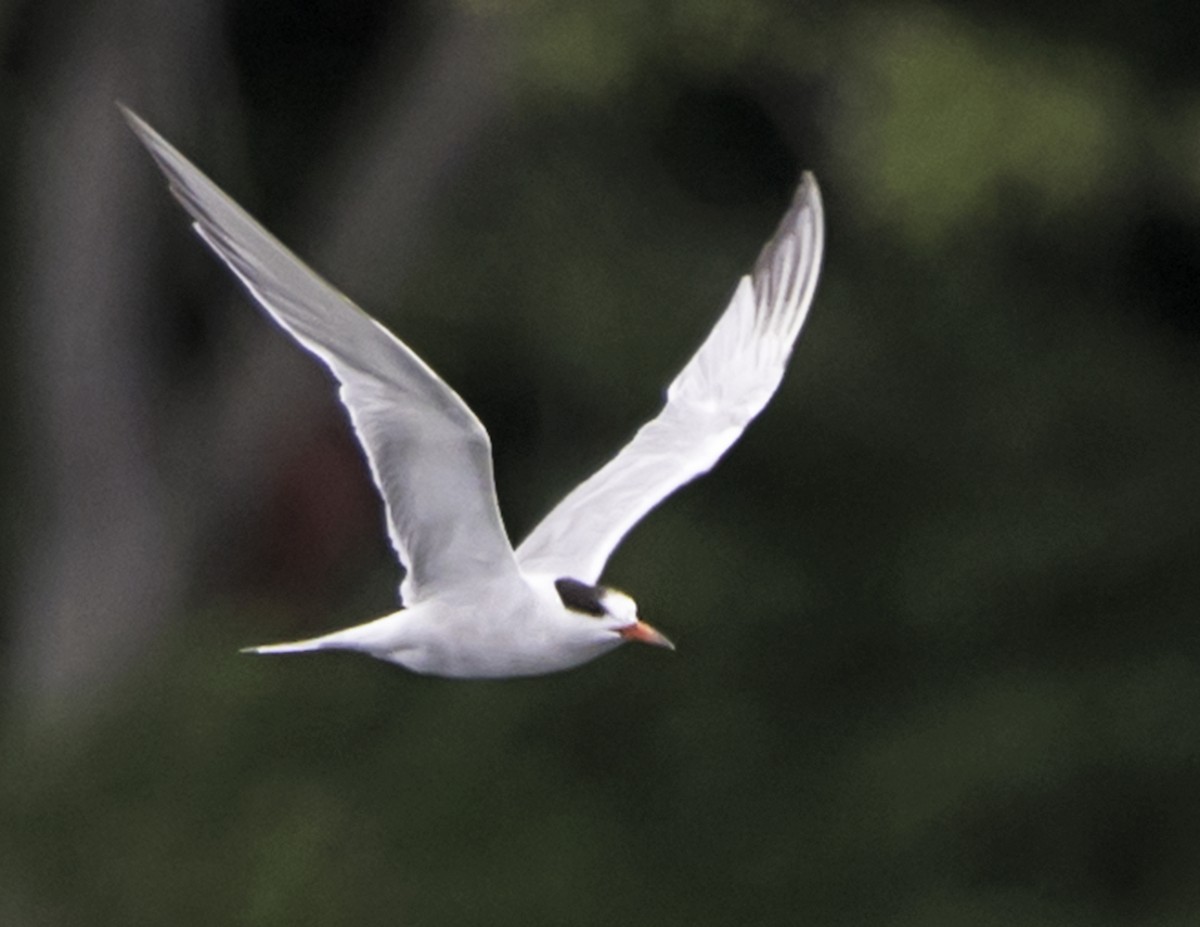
{"x":472,"y":606}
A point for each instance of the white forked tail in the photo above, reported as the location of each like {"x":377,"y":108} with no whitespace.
{"x":375,"y":636}
{"x":294,"y":647}
{"x":338,"y":640}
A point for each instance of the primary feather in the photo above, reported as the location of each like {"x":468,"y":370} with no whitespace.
{"x":429,"y":455}
{"x":727,"y":383}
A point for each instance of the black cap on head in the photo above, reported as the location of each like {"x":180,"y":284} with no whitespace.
{"x":581,"y":597}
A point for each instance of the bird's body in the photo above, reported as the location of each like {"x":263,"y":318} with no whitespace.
{"x":490,"y":631}
{"x":473,"y":606}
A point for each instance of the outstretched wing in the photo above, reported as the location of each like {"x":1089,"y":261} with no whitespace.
{"x":725,"y":384}
{"x":428,"y":453}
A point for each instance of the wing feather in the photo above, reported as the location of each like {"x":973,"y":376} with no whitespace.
{"x":429,"y":455}
{"x":726,"y":384}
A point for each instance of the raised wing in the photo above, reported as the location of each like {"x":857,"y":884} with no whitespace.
{"x":725,"y":384}
{"x":428,"y":453}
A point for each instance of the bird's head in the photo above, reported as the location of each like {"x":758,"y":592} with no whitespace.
{"x":614,"y":613}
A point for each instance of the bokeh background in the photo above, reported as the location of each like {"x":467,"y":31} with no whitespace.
{"x":936,"y":612}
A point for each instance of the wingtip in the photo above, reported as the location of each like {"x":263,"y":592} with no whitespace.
{"x":163,"y":153}
{"x":135,"y":122}
{"x":788,"y":267}
{"x":809,"y":191}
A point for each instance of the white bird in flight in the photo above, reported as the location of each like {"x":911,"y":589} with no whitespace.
{"x":472,"y":606}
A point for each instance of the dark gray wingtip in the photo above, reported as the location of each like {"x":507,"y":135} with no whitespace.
{"x":789,"y":265}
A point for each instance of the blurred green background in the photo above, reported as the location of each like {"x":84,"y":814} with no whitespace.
{"x":936,"y":612}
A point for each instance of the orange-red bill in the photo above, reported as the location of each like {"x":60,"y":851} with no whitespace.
{"x":644,"y":634}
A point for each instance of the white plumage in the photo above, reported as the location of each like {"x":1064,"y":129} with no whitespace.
{"x":472,"y":606}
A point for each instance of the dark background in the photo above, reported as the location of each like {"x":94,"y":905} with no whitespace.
{"x":936,"y":612}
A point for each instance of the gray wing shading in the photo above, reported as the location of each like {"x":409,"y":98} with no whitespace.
{"x":428,"y":453}
{"x":726,"y":384}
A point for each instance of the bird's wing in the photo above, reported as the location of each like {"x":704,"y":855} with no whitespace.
{"x":428,"y":453}
{"x":725,"y":384}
